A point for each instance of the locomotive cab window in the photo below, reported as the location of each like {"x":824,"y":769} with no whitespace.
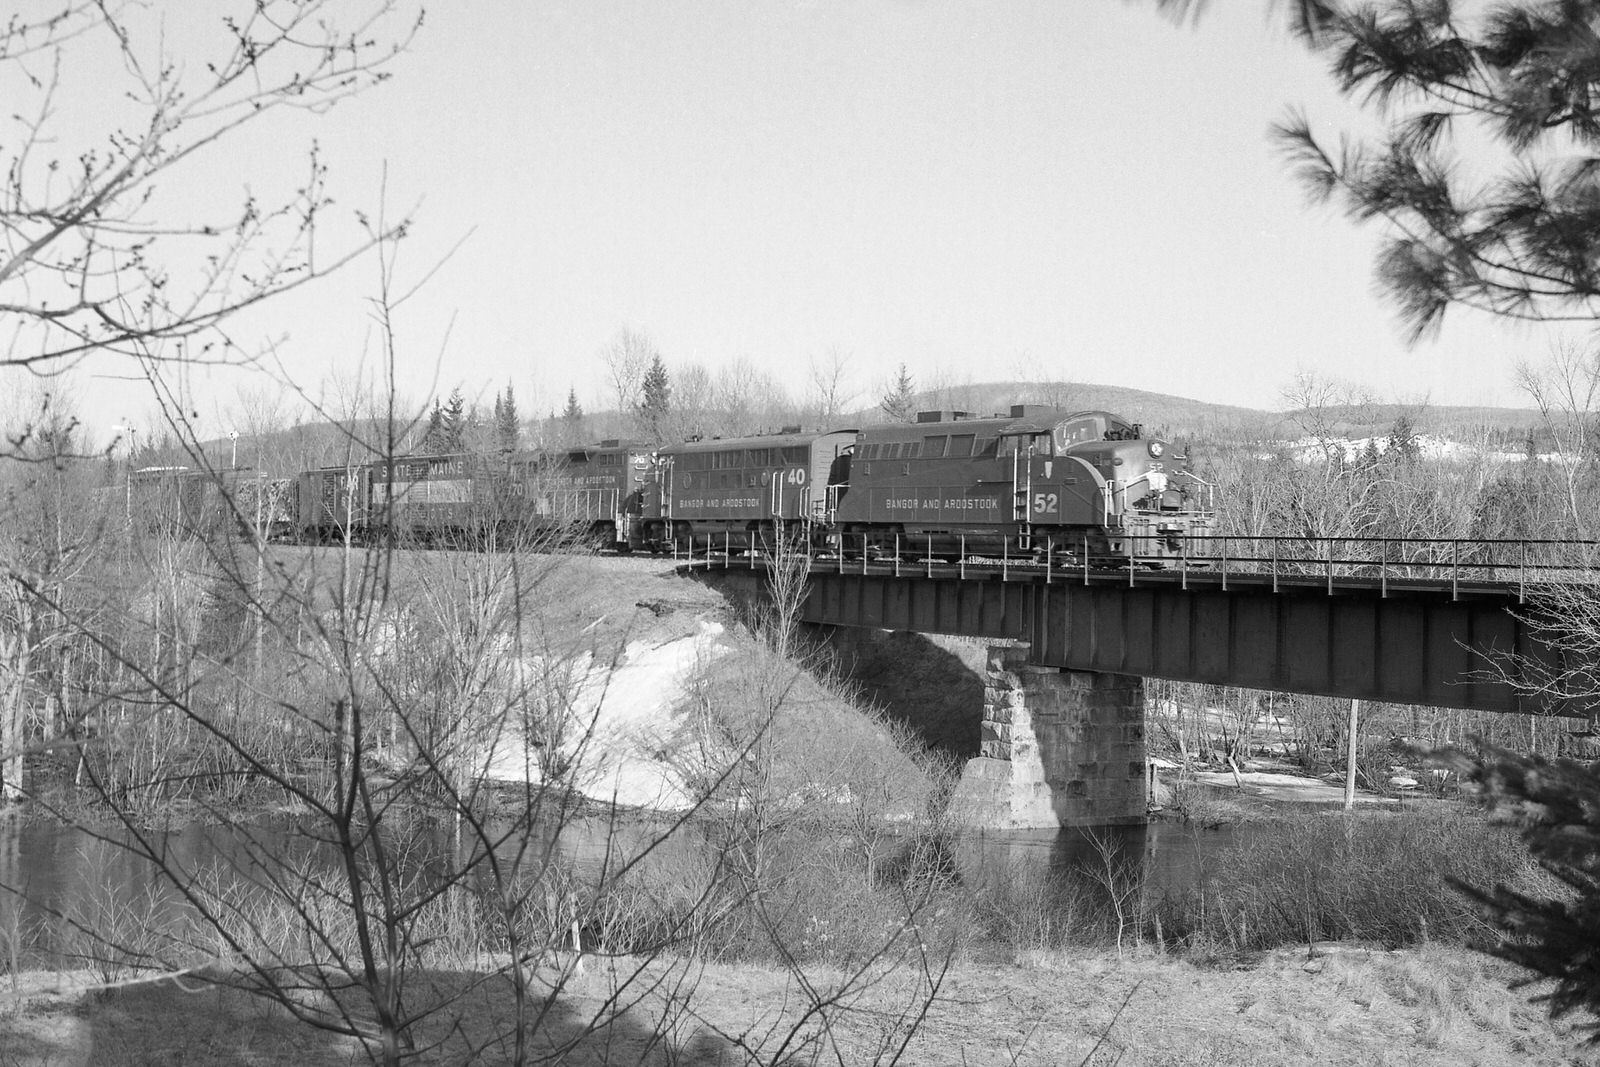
{"x":961,"y":445}
{"x":1077,"y":432}
{"x":934,"y":447}
{"x":1124,"y":431}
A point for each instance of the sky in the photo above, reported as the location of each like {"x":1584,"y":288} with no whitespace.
{"x":1046,"y":190}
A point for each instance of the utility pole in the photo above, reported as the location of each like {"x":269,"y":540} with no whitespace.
{"x":127,"y":478}
{"x":261,"y":554}
{"x":1350,"y":760}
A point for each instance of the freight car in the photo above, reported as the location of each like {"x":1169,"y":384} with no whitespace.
{"x":190,"y":503}
{"x":333,"y":504}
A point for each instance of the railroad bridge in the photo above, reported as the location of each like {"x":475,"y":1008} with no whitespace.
{"x":1433,"y":623}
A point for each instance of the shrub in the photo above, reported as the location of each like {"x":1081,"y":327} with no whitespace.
{"x":1387,"y":877}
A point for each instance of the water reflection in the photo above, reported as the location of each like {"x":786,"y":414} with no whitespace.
{"x":1168,"y":855}
{"x":61,"y":881}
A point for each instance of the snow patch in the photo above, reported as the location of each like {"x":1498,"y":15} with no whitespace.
{"x":609,"y":724}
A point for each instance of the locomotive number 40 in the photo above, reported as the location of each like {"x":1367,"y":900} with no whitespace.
{"x":1045,"y":503}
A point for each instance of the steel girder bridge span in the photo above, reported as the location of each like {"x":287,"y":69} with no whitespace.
{"x":1406,"y":621}
{"x":1062,"y":730}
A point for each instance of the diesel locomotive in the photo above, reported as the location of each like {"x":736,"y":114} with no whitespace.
{"x":1087,"y":485}
{"x":471,"y":498}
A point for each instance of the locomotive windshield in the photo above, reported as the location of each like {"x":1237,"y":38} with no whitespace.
{"x":1094,"y":426}
{"x":1077,"y":431}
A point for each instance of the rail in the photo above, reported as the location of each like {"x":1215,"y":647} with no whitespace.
{"x":1215,"y":559}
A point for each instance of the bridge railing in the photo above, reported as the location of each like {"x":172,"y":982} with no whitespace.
{"x":1524,"y":563}
{"x":1521,"y":563}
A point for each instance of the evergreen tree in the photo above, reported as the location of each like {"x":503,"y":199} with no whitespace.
{"x":1553,"y":802}
{"x":433,"y":438}
{"x":572,"y":420}
{"x":455,"y":421}
{"x":507,"y":424}
{"x":1403,"y":444}
{"x":900,"y":401}
{"x":1507,"y":218}
{"x":655,"y":400}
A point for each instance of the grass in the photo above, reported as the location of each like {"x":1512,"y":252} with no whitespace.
{"x":1426,"y":1006}
{"x":1036,"y":979}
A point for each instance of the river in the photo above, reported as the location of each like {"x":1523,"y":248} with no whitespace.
{"x":59,"y":880}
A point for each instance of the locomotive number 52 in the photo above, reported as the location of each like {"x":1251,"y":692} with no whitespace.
{"x":1045,"y":503}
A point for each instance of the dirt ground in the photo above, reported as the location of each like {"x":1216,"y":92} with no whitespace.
{"x":1356,"y":1007}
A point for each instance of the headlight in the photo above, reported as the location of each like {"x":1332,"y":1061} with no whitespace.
{"x":1156,"y":448}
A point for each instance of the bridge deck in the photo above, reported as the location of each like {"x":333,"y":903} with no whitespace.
{"x":1452,"y":641}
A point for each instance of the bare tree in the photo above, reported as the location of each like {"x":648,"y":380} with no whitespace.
{"x":263,"y":417}
{"x":1567,"y":393}
{"x":693,"y":405}
{"x":628,"y":357}
{"x":945,"y":391}
{"x":743,"y":398}
{"x":1041,"y":387}
{"x":48,"y":541}
{"x":830,"y":389}
{"x":87,"y":264}
{"x":418,"y":910}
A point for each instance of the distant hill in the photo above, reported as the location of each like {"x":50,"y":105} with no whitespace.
{"x":1159,"y":412}
{"x":1501,"y":428}
{"x":1180,"y":418}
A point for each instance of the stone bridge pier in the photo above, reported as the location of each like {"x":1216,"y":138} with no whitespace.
{"x":1059,"y":748}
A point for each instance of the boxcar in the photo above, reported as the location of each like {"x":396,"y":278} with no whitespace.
{"x":425,"y":499}
{"x":333,"y":503}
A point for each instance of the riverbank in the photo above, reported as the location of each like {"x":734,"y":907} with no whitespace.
{"x":1350,"y":1006}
